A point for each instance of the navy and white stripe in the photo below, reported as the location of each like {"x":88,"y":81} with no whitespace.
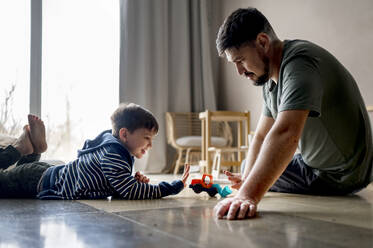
{"x":99,"y":173}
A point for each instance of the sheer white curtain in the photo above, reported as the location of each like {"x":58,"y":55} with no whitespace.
{"x":167,"y":62}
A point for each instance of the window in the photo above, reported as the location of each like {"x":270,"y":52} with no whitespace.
{"x":14,"y":65}
{"x":80,"y":72}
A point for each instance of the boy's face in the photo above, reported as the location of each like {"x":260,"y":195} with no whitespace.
{"x":137,"y":142}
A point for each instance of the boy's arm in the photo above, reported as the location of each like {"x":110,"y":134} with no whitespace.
{"x":118,"y":172}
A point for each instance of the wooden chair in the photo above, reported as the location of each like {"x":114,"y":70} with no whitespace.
{"x":235,"y":153}
{"x":219,"y":152}
{"x":184,"y":134}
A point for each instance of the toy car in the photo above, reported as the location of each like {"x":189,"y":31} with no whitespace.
{"x":206,"y":184}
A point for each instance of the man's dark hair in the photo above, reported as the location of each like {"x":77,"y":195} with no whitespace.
{"x":242,"y":26}
{"x":132,"y":117}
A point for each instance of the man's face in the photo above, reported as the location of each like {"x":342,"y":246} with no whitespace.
{"x":251,"y":62}
{"x":137,"y":142}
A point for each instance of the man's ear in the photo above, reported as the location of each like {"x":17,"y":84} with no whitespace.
{"x":123,"y":133}
{"x":263,"y":41}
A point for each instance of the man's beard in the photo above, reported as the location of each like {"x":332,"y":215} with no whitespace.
{"x":263,"y":79}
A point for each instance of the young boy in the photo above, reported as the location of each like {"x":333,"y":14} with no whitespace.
{"x":103,"y":167}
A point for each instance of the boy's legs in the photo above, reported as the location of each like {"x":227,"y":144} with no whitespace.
{"x":8,"y":156}
{"x":36,"y":132}
{"x":22,"y":146}
{"x":28,"y":147}
{"x":22,"y":180}
{"x":29,"y":159}
{"x":11,"y":155}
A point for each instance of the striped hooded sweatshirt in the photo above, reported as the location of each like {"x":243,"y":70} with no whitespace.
{"x":103,"y":168}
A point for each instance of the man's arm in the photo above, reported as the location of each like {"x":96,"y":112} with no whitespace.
{"x":264,"y":125}
{"x":277,"y":151}
{"x":275,"y":154}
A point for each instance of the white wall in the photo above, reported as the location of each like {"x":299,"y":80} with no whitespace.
{"x":344,"y":27}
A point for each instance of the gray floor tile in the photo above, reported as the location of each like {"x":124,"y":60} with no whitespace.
{"x":48,"y":225}
{"x":168,"y":202}
{"x":45,"y":208}
{"x":185,"y":220}
{"x":270,"y":229}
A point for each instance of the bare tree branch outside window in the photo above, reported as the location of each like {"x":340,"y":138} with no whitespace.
{"x":9,"y":125}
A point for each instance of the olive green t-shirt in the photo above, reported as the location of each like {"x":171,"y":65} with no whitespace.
{"x":336,"y":140}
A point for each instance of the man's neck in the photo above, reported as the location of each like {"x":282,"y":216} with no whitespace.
{"x":275,"y":59}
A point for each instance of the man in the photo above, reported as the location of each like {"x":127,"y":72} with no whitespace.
{"x":310,"y":101}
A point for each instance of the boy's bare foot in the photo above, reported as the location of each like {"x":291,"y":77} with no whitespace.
{"x":23,"y":143}
{"x":37,"y":134}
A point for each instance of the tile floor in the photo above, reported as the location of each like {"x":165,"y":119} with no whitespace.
{"x":186,"y":220}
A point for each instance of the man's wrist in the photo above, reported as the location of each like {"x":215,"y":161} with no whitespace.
{"x":243,"y":178}
{"x":246,"y":192}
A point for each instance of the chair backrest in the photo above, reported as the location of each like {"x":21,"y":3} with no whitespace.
{"x":181,"y":124}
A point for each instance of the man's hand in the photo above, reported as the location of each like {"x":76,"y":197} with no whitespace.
{"x":234,"y":178}
{"x":185,"y":175}
{"x":141,"y":178}
{"x":237,"y":207}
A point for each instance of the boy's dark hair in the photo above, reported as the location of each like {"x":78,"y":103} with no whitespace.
{"x":132,"y":117}
{"x":242,"y":26}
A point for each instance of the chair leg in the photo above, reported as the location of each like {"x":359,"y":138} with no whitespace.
{"x":187,"y":155}
{"x":216,"y":164}
{"x":233,"y":156}
{"x":172,"y":167}
{"x":178,"y":161}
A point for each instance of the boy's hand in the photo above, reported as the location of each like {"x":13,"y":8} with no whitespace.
{"x":141,"y":178}
{"x":185,"y":175}
{"x":234,"y":178}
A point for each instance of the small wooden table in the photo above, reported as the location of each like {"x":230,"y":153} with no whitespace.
{"x":243,"y":122}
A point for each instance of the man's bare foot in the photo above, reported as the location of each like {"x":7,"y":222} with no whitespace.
{"x":23,"y":143}
{"x":37,"y":134}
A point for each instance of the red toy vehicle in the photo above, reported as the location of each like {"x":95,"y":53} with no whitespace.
{"x":203,"y":181}
{"x":206,"y":184}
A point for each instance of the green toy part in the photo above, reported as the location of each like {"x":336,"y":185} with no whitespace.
{"x":223,"y":192}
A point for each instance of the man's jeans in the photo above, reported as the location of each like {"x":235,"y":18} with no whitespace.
{"x":299,"y":178}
